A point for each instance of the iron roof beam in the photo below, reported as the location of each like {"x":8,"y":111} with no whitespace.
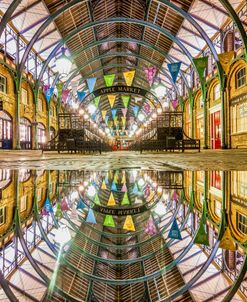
{"x":204,"y":21}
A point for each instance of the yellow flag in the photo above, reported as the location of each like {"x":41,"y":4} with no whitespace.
{"x":103,"y":112}
{"x":124,"y":120}
{"x":111,"y":99}
{"x":129,"y":224}
{"x":103,"y":186}
{"x":111,"y":200}
{"x":129,"y":76}
{"x":123,"y":178}
{"x":226,"y":60}
{"x":227,"y":243}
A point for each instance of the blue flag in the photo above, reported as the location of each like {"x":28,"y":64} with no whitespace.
{"x":80,"y":205}
{"x":81,"y":95}
{"x":174,"y":69}
{"x":91,"y":83}
{"x":113,"y":187}
{"x":106,"y":119}
{"x":114,"y":112}
{"x":48,"y":206}
{"x":136,"y":110}
{"x":174,"y":231}
{"x":49,"y":93}
{"x":90,"y":217}
{"x":135,"y":189}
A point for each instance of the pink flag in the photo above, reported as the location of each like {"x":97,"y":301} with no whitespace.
{"x":175,"y":196}
{"x":124,"y":188}
{"x":65,"y":94}
{"x":150,"y":228}
{"x":150,"y":74}
{"x":124,"y":110}
{"x":64,"y":205}
{"x":174,"y":104}
{"x":45,"y":88}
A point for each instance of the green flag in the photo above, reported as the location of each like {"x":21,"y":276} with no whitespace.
{"x":59,"y":87}
{"x":96,"y":101}
{"x":109,"y":221}
{"x":202,"y":234}
{"x":109,"y":79}
{"x":201,"y":64}
{"x":125,"y":200}
{"x":125,"y":99}
{"x":59,"y":213}
{"x":96,"y":199}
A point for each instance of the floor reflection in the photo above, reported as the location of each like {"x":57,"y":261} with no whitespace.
{"x":123,"y":235}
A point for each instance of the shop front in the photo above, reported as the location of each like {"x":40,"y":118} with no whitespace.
{"x":215,"y":127}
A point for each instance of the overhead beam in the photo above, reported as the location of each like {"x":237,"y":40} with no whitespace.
{"x":206,"y":22}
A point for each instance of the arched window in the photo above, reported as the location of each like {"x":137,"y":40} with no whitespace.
{"x":41,"y":137}
{"x":242,"y":223}
{"x":5,"y":131}
{"x":5,"y":178}
{"x":240,"y":79}
{"x":216,"y":92}
{"x":25,"y":133}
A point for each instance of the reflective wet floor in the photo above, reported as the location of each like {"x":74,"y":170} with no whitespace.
{"x":123,"y":235}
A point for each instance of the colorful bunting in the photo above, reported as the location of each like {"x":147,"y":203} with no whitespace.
{"x":109,"y":221}
{"x":65,"y":94}
{"x":90,"y":217}
{"x":109,"y":79}
{"x":136,"y":110}
{"x":129,"y":76}
{"x":64,"y":205}
{"x":174,"y":231}
{"x":174,"y":69}
{"x":113,"y":187}
{"x":129,"y":224}
{"x":48,"y":206}
{"x":111,"y":200}
{"x":91,"y":83}
{"x":201,"y":65}
{"x":96,"y":101}
{"x":114,"y":112}
{"x":150,"y":74}
{"x":202,"y":235}
{"x":150,"y":228}
{"x":227,"y":242}
{"x":103,"y":112}
{"x":125,"y":200}
{"x":135,"y":189}
{"x":58,"y":213}
{"x":124,"y":188}
{"x":174,"y":104}
{"x":81,"y":95}
{"x":80,"y":205}
{"x":124,"y":111}
{"x":49,"y":93}
{"x":59,"y":87}
{"x":226,"y":60}
{"x":96,"y":199}
{"x":103,"y":186}
{"x":111,"y":98}
{"x":125,"y":100}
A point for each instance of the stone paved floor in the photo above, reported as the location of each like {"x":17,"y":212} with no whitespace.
{"x":205,"y":160}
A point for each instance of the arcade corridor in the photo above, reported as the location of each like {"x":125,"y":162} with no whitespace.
{"x":123,"y":151}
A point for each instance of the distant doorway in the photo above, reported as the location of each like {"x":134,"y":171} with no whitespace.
{"x":215,"y":130}
{"x":6,"y":131}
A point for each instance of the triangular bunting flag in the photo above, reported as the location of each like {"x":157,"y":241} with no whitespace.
{"x":227,"y":242}
{"x":226,"y":60}
{"x":125,"y":200}
{"x":124,"y":111}
{"x":103,"y":112}
{"x":59,"y":87}
{"x":123,"y":178}
{"x":109,"y":79}
{"x":135,"y":189}
{"x":124,"y":188}
{"x":129,"y":76}
{"x":113,"y":187}
{"x":125,"y":99}
{"x":129,"y":224}
{"x":91,"y":83}
{"x":59,"y":213}
{"x":136,"y":110}
{"x":111,"y":200}
{"x":80,"y":205}
{"x":103,"y":186}
{"x":174,"y":231}
{"x":49,"y":93}
{"x":114,"y":112}
{"x":90,"y":217}
{"x":96,"y":199}
{"x":96,"y":101}
{"x":150,"y":228}
{"x":48,"y":206}
{"x":111,"y":98}
{"x":202,"y":235}
{"x":81,"y":95}
{"x":109,"y":221}
{"x":174,"y":69}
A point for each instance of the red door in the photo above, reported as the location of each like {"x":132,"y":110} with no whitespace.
{"x":215,"y":130}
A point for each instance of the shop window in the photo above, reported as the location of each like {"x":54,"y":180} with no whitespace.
{"x":2,"y":215}
{"x":5,"y":131}
{"x":241,"y":77}
{"x":40,"y":105}
{"x":25,"y":130}
{"x":216,"y":179}
{"x":3,"y":84}
{"x":24,"y":98}
{"x":239,"y":118}
{"x":216,"y":92}
{"x":201,"y":102}
{"x":239,"y":184}
{"x":217,"y":208}
{"x":23,"y":203}
{"x":5,"y":178}
{"x":41,"y":138}
{"x":242,"y":223}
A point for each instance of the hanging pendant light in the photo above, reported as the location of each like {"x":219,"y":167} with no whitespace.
{"x":63,"y":63}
